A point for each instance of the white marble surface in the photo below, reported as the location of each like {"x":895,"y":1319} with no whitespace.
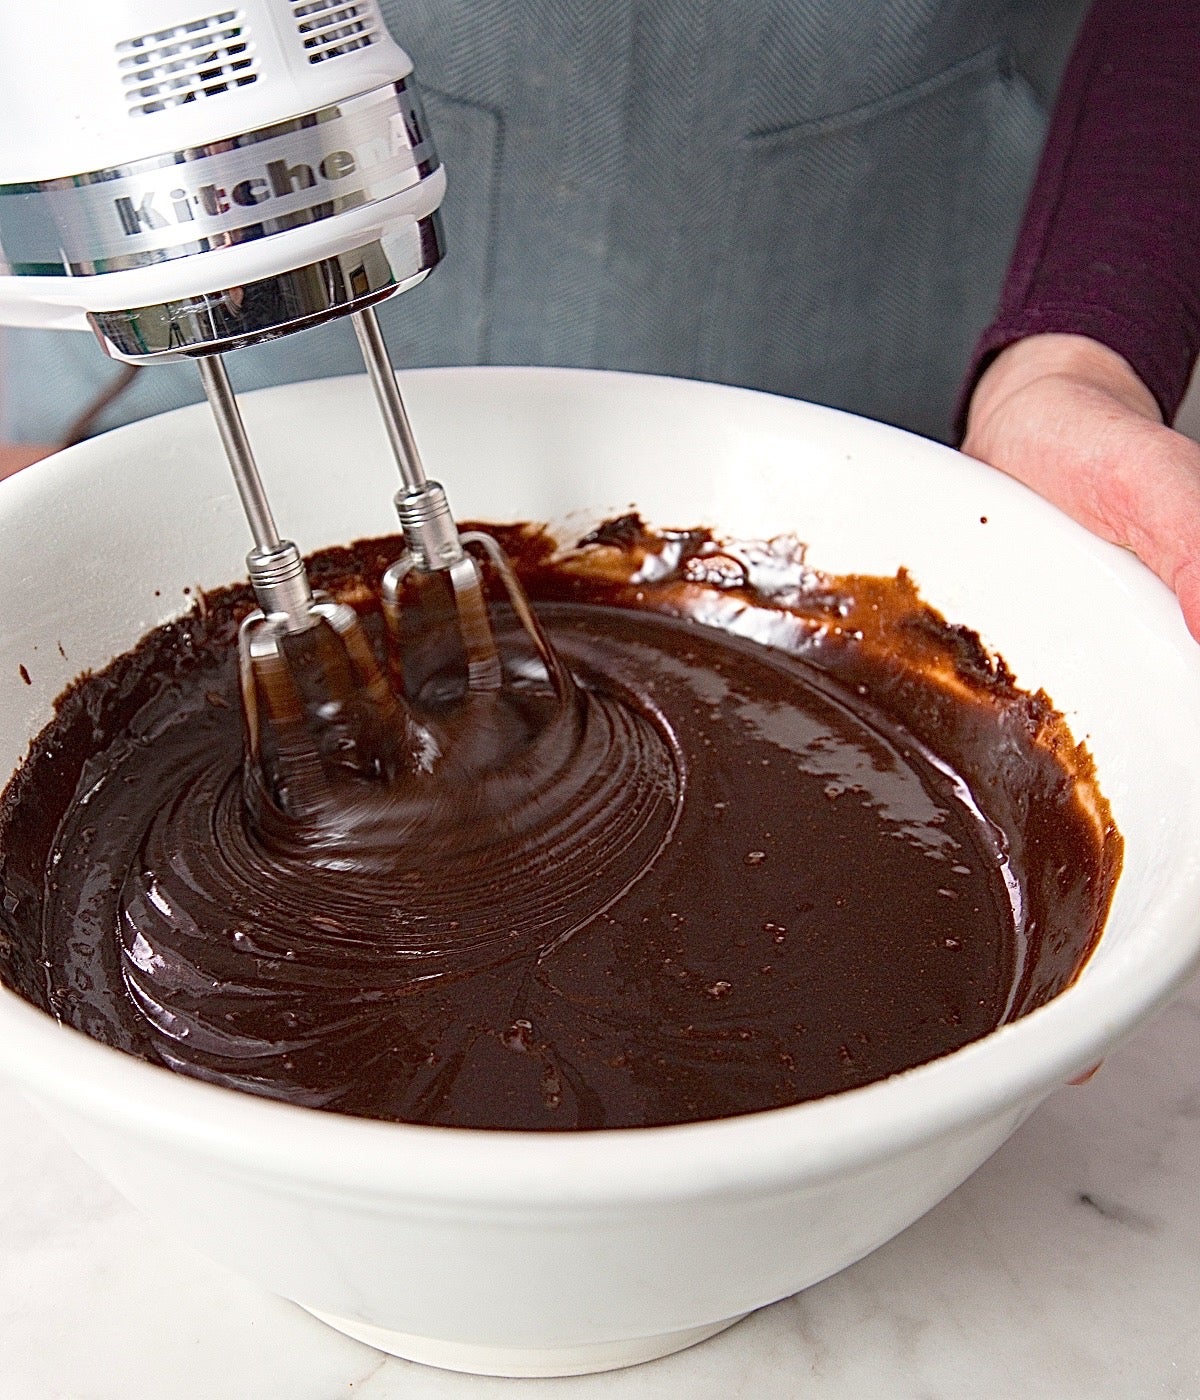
{"x":1068,"y":1268}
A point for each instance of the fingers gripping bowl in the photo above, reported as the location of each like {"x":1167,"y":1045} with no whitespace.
{"x":553,"y":1253}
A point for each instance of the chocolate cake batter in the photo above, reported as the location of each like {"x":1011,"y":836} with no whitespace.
{"x":729,"y":876}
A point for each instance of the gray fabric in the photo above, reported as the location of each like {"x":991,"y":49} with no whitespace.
{"x":813,"y":197}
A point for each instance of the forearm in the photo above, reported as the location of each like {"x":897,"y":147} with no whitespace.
{"x":1070,"y":358}
{"x":1110,"y":244}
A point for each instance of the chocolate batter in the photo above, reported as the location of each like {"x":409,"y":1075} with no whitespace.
{"x":731,"y":876}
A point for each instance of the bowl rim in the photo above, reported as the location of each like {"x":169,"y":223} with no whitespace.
{"x":769,"y":1151}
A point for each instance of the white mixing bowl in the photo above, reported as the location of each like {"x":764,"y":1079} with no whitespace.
{"x":560,"y":1253}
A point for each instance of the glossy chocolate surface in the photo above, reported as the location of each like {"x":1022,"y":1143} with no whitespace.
{"x":734,"y":876}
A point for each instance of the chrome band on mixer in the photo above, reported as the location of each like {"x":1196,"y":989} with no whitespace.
{"x":312,"y":167}
{"x":275,"y":306}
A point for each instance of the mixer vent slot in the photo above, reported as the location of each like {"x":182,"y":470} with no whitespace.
{"x":328,"y":28}
{"x":169,"y":67}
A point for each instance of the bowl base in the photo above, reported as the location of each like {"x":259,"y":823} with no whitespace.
{"x":522,"y":1361}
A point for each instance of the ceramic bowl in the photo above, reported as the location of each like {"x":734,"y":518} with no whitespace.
{"x":549,"y":1254}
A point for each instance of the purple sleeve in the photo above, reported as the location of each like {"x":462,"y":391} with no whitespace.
{"x":1110,"y":244}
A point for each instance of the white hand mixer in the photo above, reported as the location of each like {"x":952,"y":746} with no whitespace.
{"x":186,"y":179}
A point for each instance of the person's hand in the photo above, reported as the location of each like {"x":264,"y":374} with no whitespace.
{"x":1069,"y":417}
{"x":15,"y":455}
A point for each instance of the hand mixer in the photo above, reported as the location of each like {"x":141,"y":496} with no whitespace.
{"x":186,"y":179}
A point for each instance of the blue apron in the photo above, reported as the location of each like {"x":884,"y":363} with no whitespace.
{"x":814,"y":197}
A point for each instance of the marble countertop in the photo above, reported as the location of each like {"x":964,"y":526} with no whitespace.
{"x":1067,"y":1268}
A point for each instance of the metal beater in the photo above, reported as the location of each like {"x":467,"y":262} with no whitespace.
{"x":435,"y":546}
{"x":292,"y":775}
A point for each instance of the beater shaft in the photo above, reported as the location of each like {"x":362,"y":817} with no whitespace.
{"x":425,"y":518}
{"x":277,"y":572}
{"x":433,"y":544}
{"x":387,"y":392}
{"x":224,"y":405}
